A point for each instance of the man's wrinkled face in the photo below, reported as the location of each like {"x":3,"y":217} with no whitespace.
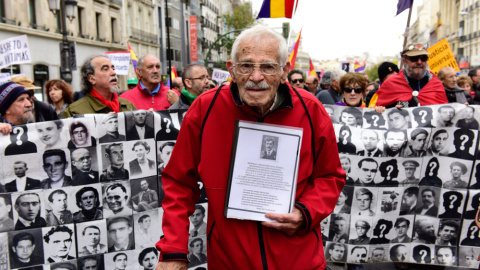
{"x":447,"y":114}
{"x":92,"y":237}
{"x":139,"y":117}
{"x":359,"y":255}
{"x":258,"y":90}
{"x":19,"y":169}
{"x":151,"y":70}
{"x":401,"y":254}
{"x":104,"y":78}
{"x":55,"y":167}
{"x":120,"y":262}
{"x":28,"y":207}
{"x":116,"y":199}
{"x":445,"y":256}
{"x":395,"y":140}
{"x":150,"y":261}
{"x":111,"y":125}
{"x":416,"y":69}
{"x":369,"y":139}
{"x":21,"y":110}
{"x":59,"y":202}
{"x":447,"y":233}
{"x":364,"y":202}
{"x":311,"y":84}
{"x":440,"y":141}
{"x":337,"y":253}
{"x":427,"y":198}
{"x":401,"y":229}
{"x":60,"y":243}
{"x":48,"y":133}
{"x":116,"y":155}
{"x":197,"y":217}
{"x":450,"y":78}
{"x":80,"y":136}
{"x":419,"y":142}
{"x":340,"y":227}
{"x":367,"y":172}
{"x":24,"y":249}
{"x":82,"y":160}
{"x":398,"y":121}
{"x":88,"y":200}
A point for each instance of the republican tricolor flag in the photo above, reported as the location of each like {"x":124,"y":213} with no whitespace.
{"x":311,"y":71}
{"x":173,"y":75}
{"x":133,"y":57}
{"x":277,"y":9}
{"x":360,"y":67}
{"x":293,"y":51}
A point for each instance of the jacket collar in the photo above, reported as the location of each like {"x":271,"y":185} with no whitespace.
{"x":283,"y":93}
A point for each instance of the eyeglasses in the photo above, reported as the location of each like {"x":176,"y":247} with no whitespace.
{"x":248,"y":68}
{"x":297,"y":81}
{"x":349,"y":90}
{"x":424,"y":58}
{"x":202,"y":78}
{"x":87,"y":158}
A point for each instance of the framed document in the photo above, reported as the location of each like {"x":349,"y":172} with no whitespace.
{"x":263,"y":170}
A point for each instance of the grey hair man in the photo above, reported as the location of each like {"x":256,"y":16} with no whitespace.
{"x":332,"y":95}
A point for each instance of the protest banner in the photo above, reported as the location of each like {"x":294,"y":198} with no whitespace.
{"x":14,"y":51}
{"x":220,"y":75}
{"x":121,"y":61}
{"x":441,"y":55}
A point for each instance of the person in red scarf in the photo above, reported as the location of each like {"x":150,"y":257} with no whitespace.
{"x":99,"y":82}
{"x":413,"y":86}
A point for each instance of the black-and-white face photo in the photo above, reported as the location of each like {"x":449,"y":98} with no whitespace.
{"x":88,"y":202}
{"x":444,"y":115}
{"x":330,"y":109}
{"x":49,"y":135}
{"x":92,"y":262}
{"x":59,"y":243}
{"x":455,"y":173}
{"x":399,"y":252}
{"x":18,"y":142}
{"x":110,"y":127}
{"x":417,"y":142}
{"x":116,"y":199}
{"x":29,"y":210}
{"x":398,"y":119}
{"x":85,"y":166}
{"x":144,"y":194}
{"x":148,"y":258}
{"x":141,"y":158}
{"x":344,"y":202}
{"x":360,"y":230}
{"x":197,"y":247}
{"x":92,"y":238}
{"x":357,"y":254}
{"x":164,"y":152}
{"x":26,"y":248}
{"x":339,"y":228}
{"x":139,"y":125}
{"x":468,"y":118}
{"x":350,"y":116}
{"x":120,"y":233}
{"x":364,"y":201}
{"x":169,"y":127}
{"x":198,"y":220}
{"x":428,"y":199}
{"x":269,"y":147}
{"x":4,"y":250}
{"x":467,"y":256}
{"x":113,"y":162}
{"x":121,"y":260}
{"x":6,"y":213}
{"x":81,"y":133}
{"x":56,"y":168}
{"x":20,"y":175}
{"x":57,"y":206}
{"x":378,"y":253}
{"x":148,"y":228}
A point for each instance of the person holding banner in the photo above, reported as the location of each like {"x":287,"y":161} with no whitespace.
{"x":15,"y":106}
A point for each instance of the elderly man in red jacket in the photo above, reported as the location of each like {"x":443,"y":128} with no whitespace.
{"x":258,"y":92}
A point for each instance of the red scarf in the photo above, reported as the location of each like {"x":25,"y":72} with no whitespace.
{"x":113,"y":104}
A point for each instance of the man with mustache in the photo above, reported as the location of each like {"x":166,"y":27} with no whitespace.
{"x":403,"y":89}
{"x":99,"y":83}
{"x":150,"y":91}
{"x":15,"y":106}
{"x":195,"y":80}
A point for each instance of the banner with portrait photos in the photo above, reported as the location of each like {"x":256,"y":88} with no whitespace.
{"x":86,"y":193}
{"x":413,"y":186}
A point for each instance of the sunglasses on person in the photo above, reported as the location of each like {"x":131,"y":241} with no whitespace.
{"x":424,"y":58}
{"x":349,"y":90}
{"x":297,"y":81}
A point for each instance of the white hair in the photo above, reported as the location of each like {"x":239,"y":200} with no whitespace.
{"x":337,"y":74}
{"x":257,"y":34}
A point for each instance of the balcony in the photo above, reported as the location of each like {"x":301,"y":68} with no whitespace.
{"x":143,"y":36}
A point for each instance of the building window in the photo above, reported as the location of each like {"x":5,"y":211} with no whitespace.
{"x":33,"y":17}
{"x":114,"y":28}
{"x":98,"y":18}
{"x":57,"y":19}
{"x":2,"y":12}
{"x":80,"y":14}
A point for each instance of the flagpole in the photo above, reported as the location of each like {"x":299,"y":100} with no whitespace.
{"x":406,"y":32}
{"x":293,"y":14}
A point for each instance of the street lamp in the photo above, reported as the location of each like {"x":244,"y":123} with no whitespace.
{"x":65,"y":8}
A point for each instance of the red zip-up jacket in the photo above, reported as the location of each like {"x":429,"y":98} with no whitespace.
{"x":243,"y":244}
{"x":144,"y":101}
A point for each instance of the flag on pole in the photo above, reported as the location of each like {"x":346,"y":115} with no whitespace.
{"x":293,"y":51}
{"x":311,"y":71}
{"x":133,"y":57}
{"x":360,"y":67}
{"x":277,"y":9}
{"x":403,"y":5}
{"x":173,"y":75}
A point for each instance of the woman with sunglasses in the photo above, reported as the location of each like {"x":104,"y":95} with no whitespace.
{"x":353,"y":87}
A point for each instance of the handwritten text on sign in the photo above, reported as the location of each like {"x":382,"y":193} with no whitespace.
{"x":14,"y":51}
{"x":121,"y":61}
{"x":220,"y":75}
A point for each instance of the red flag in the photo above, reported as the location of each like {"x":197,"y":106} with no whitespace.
{"x":293,"y":54}
{"x":311,"y":71}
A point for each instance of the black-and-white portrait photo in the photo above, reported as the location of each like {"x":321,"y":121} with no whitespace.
{"x":339,"y":228}
{"x":448,"y":232}
{"x":81,"y":134}
{"x":344,"y":144}
{"x":269,"y":147}
{"x":26,"y":248}
{"x":139,"y":125}
{"x":113,"y":163}
{"x":325,"y":227}
{"x":148,"y":228}
{"x":417,"y":143}
{"x":164,"y":151}
{"x":169,"y":124}
{"x":422,"y":253}
{"x":382,"y":230}
{"x":336,"y":252}
{"x":84,"y":166}
{"x":116,"y":197}
{"x":439,"y":143}
{"x":364,"y":201}
{"x":50,"y":135}
{"x":6,"y":213}
{"x":430,"y":173}
{"x":398,"y":119}
{"x":470,"y":234}
{"x":20,"y":176}
{"x":331,"y":112}
{"x":425,"y":229}
{"x":148,"y":258}
{"x":56,"y":169}
{"x":409,"y":201}
{"x":92,"y":238}
{"x":366,"y":172}
{"x":467,"y":256}
{"x":455,"y":173}
{"x":121,"y":260}
{"x":445,"y":116}
{"x":142,"y":158}
{"x":57,"y":207}
{"x":19,"y":143}
{"x":59,"y":243}
{"x":395,"y":143}
{"x":399,"y":252}
{"x":422,"y":117}
{"x":28,"y":210}
{"x":144,"y":194}
{"x":371,"y":142}
{"x":344,"y":202}
{"x":411,"y":172}
{"x":197,"y":247}
{"x":451,"y":205}
{"x":428,"y":201}
{"x":4,"y":249}
{"x":378,"y":253}
{"x":111,"y":127}
{"x":403,"y":228}
{"x":463,"y":142}
{"x":467,"y":118}
{"x":374,"y":120}
{"x":475,"y":181}
{"x":389,"y":173}
{"x":93,"y":262}
{"x":88,"y":200}
{"x":445,"y":255}
{"x":346,"y":163}
{"x":351,"y":117}
{"x":120,"y":233}
{"x":70,"y":265}
{"x":360,"y":232}
{"x":198,"y":221}
{"x":358,"y":254}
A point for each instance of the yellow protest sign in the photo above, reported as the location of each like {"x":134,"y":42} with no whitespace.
{"x":441,"y":55}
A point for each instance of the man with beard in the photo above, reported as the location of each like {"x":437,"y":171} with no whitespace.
{"x":395,"y":143}
{"x":195,"y":79}
{"x":370,"y":143}
{"x":439,"y":141}
{"x":403,"y":89}
{"x":425,"y":231}
{"x":140,"y":130}
{"x":59,"y":214}
{"x":445,"y":116}
{"x":416,"y":148}
{"x":15,"y":106}
{"x":89,"y":203}
{"x":59,"y":241}
{"x":99,"y":83}
{"x":428,"y":199}
{"x":148,"y":258}
{"x":150,"y":91}
{"x":409,"y":201}
{"x":82,"y":173}
{"x":116,"y":170}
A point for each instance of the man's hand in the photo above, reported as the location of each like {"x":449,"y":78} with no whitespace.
{"x":398,"y":106}
{"x":172,"y":265}
{"x":172,"y":97}
{"x":5,"y":128}
{"x":381,"y":109}
{"x":287,"y":223}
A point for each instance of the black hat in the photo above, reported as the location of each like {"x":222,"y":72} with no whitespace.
{"x":386,"y":68}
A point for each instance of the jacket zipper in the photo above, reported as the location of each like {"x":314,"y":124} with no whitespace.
{"x":262,"y":246}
